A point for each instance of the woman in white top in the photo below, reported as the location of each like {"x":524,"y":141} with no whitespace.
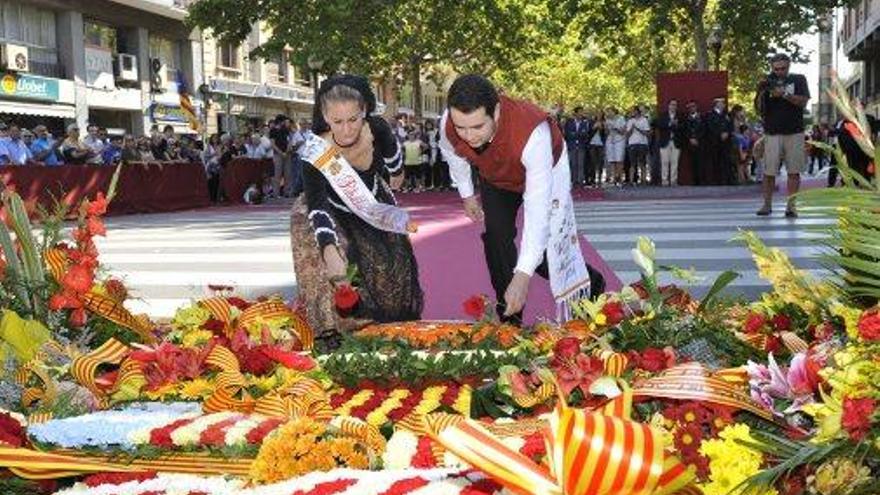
{"x":637,"y":130}
{"x":615,"y":145}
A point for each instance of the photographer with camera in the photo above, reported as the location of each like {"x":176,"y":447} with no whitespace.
{"x":780,"y":101}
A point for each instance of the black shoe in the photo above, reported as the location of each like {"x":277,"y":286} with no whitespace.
{"x":791,"y":214}
{"x":764,"y":212}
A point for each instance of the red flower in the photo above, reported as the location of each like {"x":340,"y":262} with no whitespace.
{"x":687,"y":439}
{"x":424,"y":458}
{"x":214,"y":325}
{"x":64,"y":300}
{"x":653,"y":360}
{"x":77,"y":317}
{"x":288,"y":359}
{"x":475,"y":306}
{"x":99,"y":479}
{"x":11,"y":431}
{"x":773,"y":344}
{"x":484,"y":486}
{"x":869,"y":325}
{"x":98,"y":206}
{"x":579,"y":372}
{"x":692,"y":413}
{"x":238,"y":302}
{"x":613,"y":312}
{"x":116,"y":289}
{"x":823,"y":331}
{"x":95,"y":226}
{"x":255,"y":361}
{"x":346,"y":298}
{"x":857,"y":415}
{"x":328,"y":487}
{"x":402,"y":487}
{"x":781,"y":322}
{"x":754,"y":323}
{"x":567,"y":348}
{"x":256,"y":435}
{"x":78,"y":279}
{"x":535,"y":448}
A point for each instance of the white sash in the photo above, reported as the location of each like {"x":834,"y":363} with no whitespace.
{"x":569,"y":278}
{"x":351,"y":189}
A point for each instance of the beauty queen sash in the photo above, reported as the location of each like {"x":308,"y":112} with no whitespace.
{"x":351,"y":189}
{"x":569,"y":278}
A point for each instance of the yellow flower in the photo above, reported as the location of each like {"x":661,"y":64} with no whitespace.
{"x":730,"y":462}
{"x":196,"y":389}
{"x":162,"y":392}
{"x":357,"y":399}
{"x":196,"y":338}
{"x":264,"y":383}
{"x":462,"y":403}
{"x":840,"y":475}
{"x":190,"y":318}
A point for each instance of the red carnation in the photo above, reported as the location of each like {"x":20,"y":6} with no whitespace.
{"x":754,"y":323}
{"x":535,"y":448}
{"x":99,"y":479}
{"x":567,"y":348}
{"x":238,"y":302}
{"x":404,"y":486}
{"x":869,"y":325}
{"x":475,"y":306}
{"x":781,"y":322}
{"x":653,"y":360}
{"x":424,"y":457}
{"x":857,"y":415}
{"x":11,"y":431}
{"x":773,"y":344}
{"x":116,"y":289}
{"x":613,"y":312}
{"x":78,"y":279}
{"x":346,"y":298}
{"x":77,"y":317}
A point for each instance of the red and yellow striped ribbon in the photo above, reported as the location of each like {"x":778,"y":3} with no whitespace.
{"x":692,"y":381}
{"x":794,"y":343}
{"x":83,"y":368}
{"x":615,"y":363}
{"x":45,"y":391}
{"x":32,"y":464}
{"x":221,"y":310}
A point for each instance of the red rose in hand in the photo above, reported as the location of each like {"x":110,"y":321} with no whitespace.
{"x":567,"y":348}
{"x":346,"y":298}
{"x":613,"y":312}
{"x":754,"y":323}
{"x":475,"y":307}
{"x":857,"y":417}
{"x":869,"y":325}
{"x":781,"y":322}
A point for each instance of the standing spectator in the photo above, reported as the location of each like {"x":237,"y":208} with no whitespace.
{"x":258,"y":148}
{"x":615,"y":145}
{"x":693,"y":132}
{"x":576,"y":129}
{"x":145,"y":148}
{"x":112,"y":152}
{"x":781,"y":99}
{"x":412,"y":162}
{"x":44,"y":147}
{"x":130,"y":152}
{"x":188,"y":151}
{"x":637,"y":130}
{"x":433,"y":140}
{"x":597,"y":148}
{"x":16,"y":152}
{"x":73,"y":151}
{"x":211,"y":159}
{"x":298,"y":136}
{"x":743,"y":156}
{"x":95,"y":144}
{"x":280,"y":136}
{"x":669,"y":140}
{"x":159,"y":146}
{"x":718,"y":148}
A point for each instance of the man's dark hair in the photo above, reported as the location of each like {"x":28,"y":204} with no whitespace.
{"x":471,"y":92}
{"x":671,"y":100}
{"x":780,"y":57}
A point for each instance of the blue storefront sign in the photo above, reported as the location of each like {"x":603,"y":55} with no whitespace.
{"x":30,"y":87}
{"x":162,"y":112}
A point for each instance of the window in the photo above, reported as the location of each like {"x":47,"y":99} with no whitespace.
{"x":99,"y":35}
{"x":34,"y":28}
{"x":276,"y":68}
{"x":228,"y":56}
{"x":168,"y":51}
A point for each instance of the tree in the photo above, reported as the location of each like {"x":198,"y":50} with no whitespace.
{"x":383,"y":38}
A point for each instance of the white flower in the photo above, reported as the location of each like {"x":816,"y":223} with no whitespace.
{"x":452,"y":461}
{"x":190,"y":434}
{"x":400,"y":450}
{"x":236,"y":435}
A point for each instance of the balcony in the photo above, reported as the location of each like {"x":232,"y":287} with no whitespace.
{"x":864,"y":43}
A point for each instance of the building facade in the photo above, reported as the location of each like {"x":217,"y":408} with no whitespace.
{"x":859,"y":42}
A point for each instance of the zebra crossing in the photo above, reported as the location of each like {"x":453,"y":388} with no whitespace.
{"x":696,"y":233}
{"x":169,"y":259}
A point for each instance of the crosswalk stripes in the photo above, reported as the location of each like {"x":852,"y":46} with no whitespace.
{"x":695,"y":234}
{"x":169,"y":259}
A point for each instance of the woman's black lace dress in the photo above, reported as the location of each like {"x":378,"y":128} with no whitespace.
{"x":388,"y":277}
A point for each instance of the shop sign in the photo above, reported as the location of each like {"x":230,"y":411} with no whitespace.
{"x":27,"y":86}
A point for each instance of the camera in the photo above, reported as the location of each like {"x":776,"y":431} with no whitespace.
{"x":773,"y":82}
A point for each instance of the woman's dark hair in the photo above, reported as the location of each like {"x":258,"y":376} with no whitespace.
{"x":471,"y":92}
{"x":359,"y":84}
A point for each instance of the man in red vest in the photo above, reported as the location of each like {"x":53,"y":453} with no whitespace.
{"x":516,"y":148}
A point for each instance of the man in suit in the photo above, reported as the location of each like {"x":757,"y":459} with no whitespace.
{"x":718,"y":133}
{"x":693,"y":133}
{"x":669,"y":141}
{"x":576,"y":130}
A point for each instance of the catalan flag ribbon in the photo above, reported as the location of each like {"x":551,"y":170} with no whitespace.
{"x":186,"y":104}
{"x":599,"y":452}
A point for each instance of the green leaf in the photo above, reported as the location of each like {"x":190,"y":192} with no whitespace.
{"x":25,"y":337}
{"x":722,"y":281}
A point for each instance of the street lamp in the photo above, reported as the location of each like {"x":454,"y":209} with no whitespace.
{"x":716,"y":38}
{"x":315,"y":65}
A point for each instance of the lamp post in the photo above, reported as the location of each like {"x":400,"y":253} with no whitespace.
{"x":715,"y":40}
{"x":315,"y":65}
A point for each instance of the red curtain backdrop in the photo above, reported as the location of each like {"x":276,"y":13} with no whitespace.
{"x":240,"y":173}
{"x":683,"y":86}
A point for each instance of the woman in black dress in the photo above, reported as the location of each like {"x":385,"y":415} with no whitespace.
{"x":387,"y":273}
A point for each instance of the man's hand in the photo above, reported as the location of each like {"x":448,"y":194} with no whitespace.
{"x":515,"y":295}
{"x":396,"y":182}
{"x":724,"y":136}
{"x":472,"y":209}
{"x":777,"y":92}
{"x":694,"y":142}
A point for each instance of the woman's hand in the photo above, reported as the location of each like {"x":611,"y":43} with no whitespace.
{"x":334,"y":263}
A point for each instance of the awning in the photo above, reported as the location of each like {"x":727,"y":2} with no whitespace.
{"x":41,"y":109}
